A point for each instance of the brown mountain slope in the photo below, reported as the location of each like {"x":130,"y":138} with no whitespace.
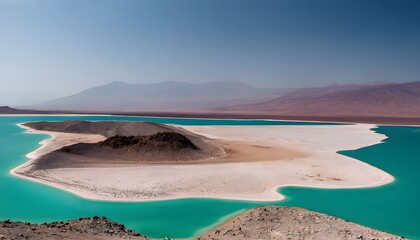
{"x":9,"y":110}
{"x":387,"y":100}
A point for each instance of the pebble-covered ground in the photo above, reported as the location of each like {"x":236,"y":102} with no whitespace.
{"x":83,"y":228}
{"x":291,"y":223}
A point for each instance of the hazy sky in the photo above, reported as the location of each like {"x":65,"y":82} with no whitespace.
{"x":60,"y":47}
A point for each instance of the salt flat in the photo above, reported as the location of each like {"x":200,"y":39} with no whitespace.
{"x":306,"y":157}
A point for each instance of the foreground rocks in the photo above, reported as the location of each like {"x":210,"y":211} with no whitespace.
{"x":259,"y":223}
{"x":81,"y":229}
{"x":291,"y":223}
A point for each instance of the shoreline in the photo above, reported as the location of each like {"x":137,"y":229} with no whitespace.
{"x":377,"y":120}
{"x":34,"y":155}
{"x":270,"y":193}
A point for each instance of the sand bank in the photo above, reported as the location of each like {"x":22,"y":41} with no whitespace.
{"x":306,"y":157}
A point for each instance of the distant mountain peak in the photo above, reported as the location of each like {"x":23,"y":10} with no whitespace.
{"x":117,"y":83}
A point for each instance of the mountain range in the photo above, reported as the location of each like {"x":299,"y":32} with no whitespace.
{"x":370,"y":100}
{"x":165,"y":96}
{"x":379,"y":100}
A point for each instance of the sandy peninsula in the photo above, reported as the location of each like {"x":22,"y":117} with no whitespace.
{"x":260,"y":159}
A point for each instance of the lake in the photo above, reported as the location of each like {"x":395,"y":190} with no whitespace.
{"x":394,"y":208}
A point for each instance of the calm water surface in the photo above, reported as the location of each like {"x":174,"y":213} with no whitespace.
{"x":394,"y":208}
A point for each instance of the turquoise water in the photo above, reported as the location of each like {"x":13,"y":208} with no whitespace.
{"x":394,"y":208}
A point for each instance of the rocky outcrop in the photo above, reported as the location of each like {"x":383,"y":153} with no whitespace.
{"x":259,"y":223}
{"x":158,"y":141}
{"x":80,"y":229}
{"x":281,"y":223}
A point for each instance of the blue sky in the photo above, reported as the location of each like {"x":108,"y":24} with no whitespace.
{"x":61,"y":47}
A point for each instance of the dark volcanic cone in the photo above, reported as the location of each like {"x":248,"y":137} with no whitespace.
{"x":161,"y":140}
{"x":126,"y":143}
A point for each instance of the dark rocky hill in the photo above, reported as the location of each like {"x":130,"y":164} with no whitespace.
{"x":161,"y":140}
{"x":126,"y":143}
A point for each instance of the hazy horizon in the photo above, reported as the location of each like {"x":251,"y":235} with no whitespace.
{"x":29,"y":98}
{"x":58,"y":48}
